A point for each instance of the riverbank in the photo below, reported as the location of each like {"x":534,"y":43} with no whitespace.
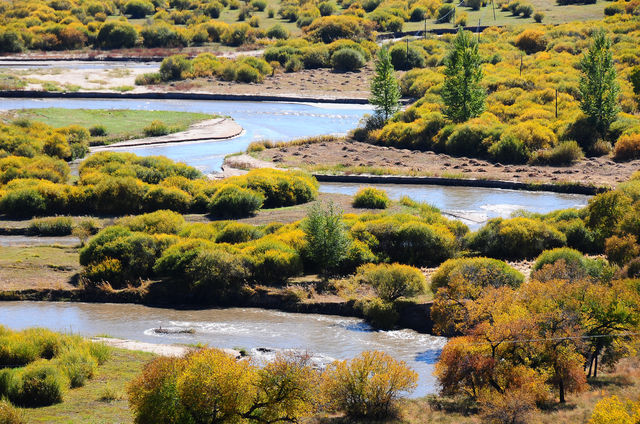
{"x":347,"y":157}
{"x":212,"y":129}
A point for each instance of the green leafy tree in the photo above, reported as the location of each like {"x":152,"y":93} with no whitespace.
{"x":598,"y":86}
{"x":327,"y":239}
{"x":385,"y":91}
{"x":463,"y":96}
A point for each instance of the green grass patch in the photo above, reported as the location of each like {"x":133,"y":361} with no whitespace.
{"x":120,"y":124}
{"x":102,"y":400}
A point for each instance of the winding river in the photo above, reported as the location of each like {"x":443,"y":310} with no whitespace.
{"x":328,"y":336}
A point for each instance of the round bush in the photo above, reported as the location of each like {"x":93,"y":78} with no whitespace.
{"x":445,"y":13}
{"x":78,"y":365}
{"x":237,"y":232}
{"x":247,"y":74}
{"x":25,"y":202}
{"x":531,"y":41}
{"x":174,"y":67}
{"x":138,"y":9}
{"x":38,"y":385}
{"x":116,"y":35}
{"x":400,"y":60}
{"x":347,"y":60}
{"x":232,"y":201}
{"x":481,"y":272}
{"x":393,"y":281}
{"x":278,"y":31}
{"x":156,"y":129}
{"x":516,"y":238}
{"x":509,"y":150}
{"x":574,"y":265}
{"x":371,"y":198}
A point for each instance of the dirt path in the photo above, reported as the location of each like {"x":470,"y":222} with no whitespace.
{"x":363,"y":158}
{"x":156,"y":348}
{"x":211,"y":129}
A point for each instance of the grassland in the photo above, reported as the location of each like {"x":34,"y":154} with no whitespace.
{"x":88,"y":404}
{"x":36,"y":267}
{"x":120,"y":124}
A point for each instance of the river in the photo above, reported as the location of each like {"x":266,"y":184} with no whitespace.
{"x":328,"y":336}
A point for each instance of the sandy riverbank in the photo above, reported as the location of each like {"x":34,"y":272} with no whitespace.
{"x":211,"y":129}
{"x":156,"y":348}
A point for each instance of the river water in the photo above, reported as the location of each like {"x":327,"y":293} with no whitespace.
{"x":260,"y":121}
{"x":324,"y":335}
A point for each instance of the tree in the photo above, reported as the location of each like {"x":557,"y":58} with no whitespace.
{"x":598,"y":86}
{"x":327,"y":240}
{"x":463,"y":96}
{"x":385,"y":92}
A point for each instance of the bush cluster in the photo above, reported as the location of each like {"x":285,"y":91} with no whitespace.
{"x":371,"y":198}
{"x":40,"y":365}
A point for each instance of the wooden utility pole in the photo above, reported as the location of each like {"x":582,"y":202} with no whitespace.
{"x":425,"y":28}
{"x":494,"y":10}
{"x":407,"y":61}
{"x":521,"y":64}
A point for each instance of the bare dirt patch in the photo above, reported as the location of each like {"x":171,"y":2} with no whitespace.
{"x":341,"y":155}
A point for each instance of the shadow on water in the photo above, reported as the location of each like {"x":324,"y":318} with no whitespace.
{"x":430,"y":356}
{"x":360,"y":327}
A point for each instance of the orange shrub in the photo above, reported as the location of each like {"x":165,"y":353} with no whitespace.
{"x":627,"y":147}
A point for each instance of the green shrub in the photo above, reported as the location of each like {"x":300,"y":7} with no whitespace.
{"x":525,"y":10}
{"x":247,"y":74}
{"x":232,"y":201}
{"x":564,"y":154}
{"x":371,"y":198}
{"x":279,"y":188}
{"x":481,"y":272}
{"x":294,"y":64}
{"x":509,"y":149}
{"x":156,"y":128}
{"x":347,"y":60}
{"x":419,"y":14}
{"x":148,"y":78}
{"x":175,"y":67}
{"x":54,"y":226}
{"x":98,"y":130}
{"x":273,"y":262}
{"x":445,"y":13}
{"x":405,"y":60}
{"x":379,"y":313}
{"x":278,"y":31}
{"x":316,"y":57}
{"x":213,"y":9}
{"x":78,"y":365}
{"x":515,"y":238}
{"x":327,"y":241}
{"x":138,"y":9}
{"x":538,"y":17}
{"x":172,"y":198}
{"x":161,"y":34}
{"x":40,"y":384}
{"x":260,"y":5}
{"x":620,"y":250}
{"x":116,"y":35}
{"x":237,"y":232}
{"x":24,"y":202}
{"x":574,"y":266}
{"x":327,"y":8}
{"x":393,"y":281}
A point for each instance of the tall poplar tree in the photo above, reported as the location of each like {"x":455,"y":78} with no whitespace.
{"x":598,"y":85}
{"x":385,"y":92}
{"x":463,"y":96}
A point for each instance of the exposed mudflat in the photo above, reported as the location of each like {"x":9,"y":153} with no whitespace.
{"x":344,"y":153}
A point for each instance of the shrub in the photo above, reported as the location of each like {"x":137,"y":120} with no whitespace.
{"x":98,"y":130}
{"x":327,"y":240}
{"x":331,"y":28}
{"x":481,"y":272}
{"x":246,"y":73}
{"x":213,"y":9}
{"x":175,"y":67}
{"x":368,"y":385}
{"x":371,"y":198}
{"x":54,"y":226}
{"x":159,"y":222}
{"x":260,"y":5}
{"x":538,"y":17}
{"x":155,"y":129}
{"x":9,"y":414}
{"x":236,"y":232}
{"x":515,"y":238}
{"x":627,"y":148}
{"x":400,"y":60}
{"x":473,"y":4}
{"x":279,"y":188}
{"x":78,"y":365}
{"x":326,"y":8}
{"x":574,"y":265}
{"x":393,"y":281}
{"x":149,"y":78}
{"x":525,"y":10}
{"x":116,"y":35}
{"x":163,"y":35}
{"x":294,"y":64}
{"x":509,"y":149}
{"x":278,"y":32}
{"x":531,"y":41}
{"x":138,"y":8}
{"x":564,"y":154}
{"x":347,"y":60}
{"x":316,"y":57}
{"x":40,"y":384}
{"x":620,"y":250}
{"x":23,"y":202}
{"x":232,"y":201}
{"x":445,"y":13}
{"x":379,"y":313}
